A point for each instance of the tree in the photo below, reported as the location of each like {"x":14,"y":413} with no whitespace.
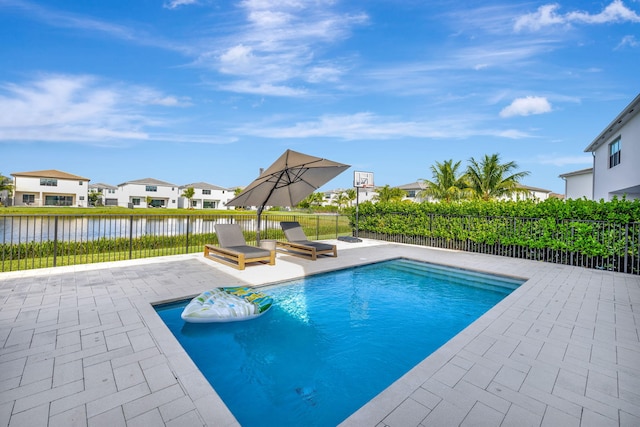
{"x":188,"y":194}
{"x":95,"y":198}
{"x":489,"y":179}
{"x":387,"y":194}
{"x":6,"y":185}
{"x":447,"y":182}
{"x":313,"y":199}
{"x":351,"y":195}
{"x":341,"y":200}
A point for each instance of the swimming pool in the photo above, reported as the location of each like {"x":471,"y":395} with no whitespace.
{"x":333,"y":341}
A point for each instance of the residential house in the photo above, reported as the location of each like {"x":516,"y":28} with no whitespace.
{"x":531,"y":193}
{"x":159,"y":194}
{"x":616,"y":156}
{"x":49,"y":188}
{"x":413,"y":191}
{"x":205,"y":196}
{"x":578,"y":184}
{"x":108,"y":194}
{"x":363,"y":195}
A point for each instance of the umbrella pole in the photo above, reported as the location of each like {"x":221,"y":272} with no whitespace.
{"x":258,"y":226}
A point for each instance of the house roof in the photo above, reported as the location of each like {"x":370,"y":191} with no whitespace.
{"x":413,"y":186}
{"x":149,"y":181}
{"x":102,"y":185}
{"x":539,"y":190}
{"x":627,"y":114}
{"x":576,"y":173}
{"x":50,"y":173}
{"x":203,"y":186}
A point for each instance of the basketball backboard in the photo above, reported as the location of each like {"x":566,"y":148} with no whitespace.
{"x":363,"y":179}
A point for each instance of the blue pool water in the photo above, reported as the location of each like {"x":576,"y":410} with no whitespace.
{"x":332,"y":342}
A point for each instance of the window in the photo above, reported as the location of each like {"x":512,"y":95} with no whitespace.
{"x":194,"y":203}
{"x":206,"y":192}
{"x":80,"y":182}
{"x":49,"y":182}
{"x":81,"y":197}
{"x":58,"y":200}
{"x":135,"y":201}
{"x":614,"y":153}
{"x":151,"y":188}
{"x":28,"y":198}
{"x":208,"y":204}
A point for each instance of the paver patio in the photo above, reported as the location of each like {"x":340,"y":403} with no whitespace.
{"x":83,"y":346}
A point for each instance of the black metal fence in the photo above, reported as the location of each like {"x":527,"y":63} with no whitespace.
{"x":592,"y":244}
{"x":38,"y":241}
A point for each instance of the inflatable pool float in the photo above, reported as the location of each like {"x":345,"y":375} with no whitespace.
{"x":226,"y":305}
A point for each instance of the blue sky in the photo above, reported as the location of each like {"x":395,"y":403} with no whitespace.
{"x":213,"y":90}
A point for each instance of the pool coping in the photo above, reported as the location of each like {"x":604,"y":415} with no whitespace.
{"x":544,"y":354}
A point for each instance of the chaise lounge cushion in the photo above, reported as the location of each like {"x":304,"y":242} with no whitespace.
{"x":298,"y":244}
{"x":233,"y":249}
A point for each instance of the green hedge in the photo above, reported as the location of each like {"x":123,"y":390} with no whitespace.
{"x":580,"y":227}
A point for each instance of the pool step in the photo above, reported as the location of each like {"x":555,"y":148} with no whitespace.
{"x":457,"y":276}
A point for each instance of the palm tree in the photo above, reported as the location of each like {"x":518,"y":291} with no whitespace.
{"x":351,"y":195}
{"x":341,"y":200}
{"x":447,"y":183}
{"x":6,"y":184}
{"x":188,"y":194}
{"x":387,"y":194}
{"x":313,"y":199}
{"x":489,"y":179}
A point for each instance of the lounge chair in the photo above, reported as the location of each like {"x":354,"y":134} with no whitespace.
{"x":297,"y":243}
{"x":234,"y":251}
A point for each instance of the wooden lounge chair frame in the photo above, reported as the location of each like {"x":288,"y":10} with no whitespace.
{"x":234,"y":251}
{"x":297,"y":243}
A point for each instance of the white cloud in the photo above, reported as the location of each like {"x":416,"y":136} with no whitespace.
{"x":548,"y":15}
{"x":630,"y":41}
{"x":174,"y":4}
{"x":281,"y":43}
{"x":370,"y":126}
{"x":544,"y":16}
{"x":77,"y":108}
{"x":266,"y":89}
{"x":526,"y":106}
{"x":566,"y":160}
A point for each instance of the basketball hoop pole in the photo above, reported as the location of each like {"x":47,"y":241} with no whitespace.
{"x":361,"y":179}
{"x":357,"y":205}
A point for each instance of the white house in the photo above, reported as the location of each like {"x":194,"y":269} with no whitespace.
{"x":205,"y":196}
{"x":362,"y":194}
{"x":413,"y":191}
{"x":135,"y":193}
{"x":578,"y":184}
{"x":616,"y":156}
{"x":49,"y":188}
{"x":108,"y":193}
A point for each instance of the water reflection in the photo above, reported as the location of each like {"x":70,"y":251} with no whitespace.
{"x":22,"y":229}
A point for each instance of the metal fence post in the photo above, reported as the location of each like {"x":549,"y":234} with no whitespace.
{"x":130,"y":235}
{"x":55,"y":240}
{"x":186,"y":249}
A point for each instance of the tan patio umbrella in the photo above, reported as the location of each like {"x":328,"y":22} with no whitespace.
{"x":287,"y":182}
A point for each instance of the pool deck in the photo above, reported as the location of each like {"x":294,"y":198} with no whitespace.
{"x":83,"y":346}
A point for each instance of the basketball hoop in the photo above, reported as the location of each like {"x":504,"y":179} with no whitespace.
{"x":363,"y":179}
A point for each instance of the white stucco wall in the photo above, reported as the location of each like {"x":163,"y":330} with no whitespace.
{"x":579,"y":186}
{"x":611,"y":181}
{"x":77,"y":189}
{"x":127,"y":192}
{"x":216,"y":200}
